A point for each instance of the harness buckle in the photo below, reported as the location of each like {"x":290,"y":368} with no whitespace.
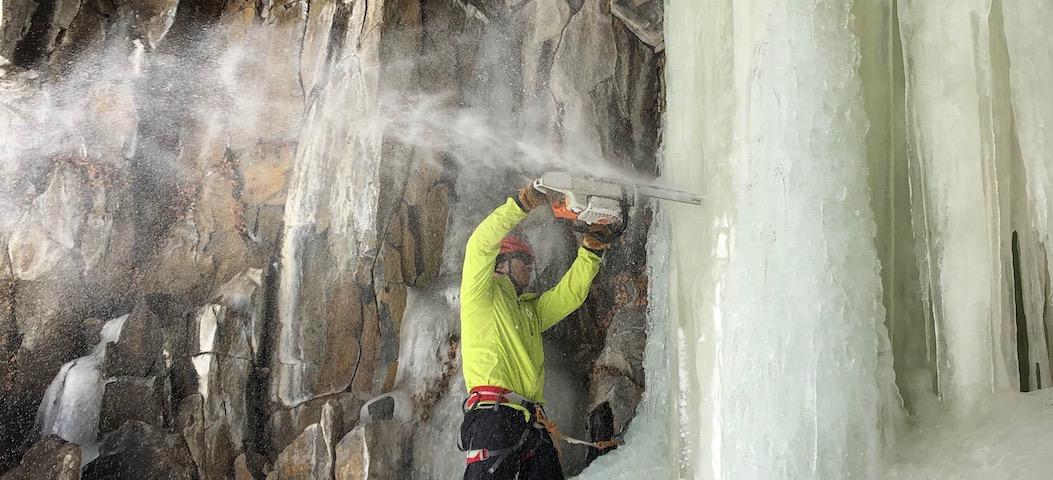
{"x":476,"y":456}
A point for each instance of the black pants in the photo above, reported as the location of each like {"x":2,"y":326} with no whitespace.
{"x":502,"y":428}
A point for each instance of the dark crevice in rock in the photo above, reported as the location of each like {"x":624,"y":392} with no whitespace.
{"x":237,"y":183}
{"x":258,"y":389}
{"x":337,"y":39}
{"x":220,"y":355}
{"x":575,"y":5}
{"x":32,"y":49}
{"x":601,"y":427}
{"x":364,"y":292}
{"x":9,"y":308}
{"x":299,"y":57}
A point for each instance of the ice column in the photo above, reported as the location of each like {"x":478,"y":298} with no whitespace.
{"x":957,"y":214}
{"x":1028,"y":40}
{"x":785,"y":366}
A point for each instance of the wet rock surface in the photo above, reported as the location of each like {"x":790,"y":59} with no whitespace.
{"x":139,"y":450}
{"x":52,"y":458}
{"x":374,"y":451}
{"x":312,"y":455}
{"x":264,"y":241}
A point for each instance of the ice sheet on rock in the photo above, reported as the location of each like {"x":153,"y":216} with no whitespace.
{"x":73,"y":402}
{"x":650,"y":441}
{"x":329,"y":219}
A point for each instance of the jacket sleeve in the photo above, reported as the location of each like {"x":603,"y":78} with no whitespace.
{"x":482,"y":248}
{"x":555,"y":304}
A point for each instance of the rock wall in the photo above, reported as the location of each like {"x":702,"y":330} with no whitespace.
{"x":248,"y":179}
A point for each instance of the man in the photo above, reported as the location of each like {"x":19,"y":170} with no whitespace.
{"x":502,"y":354}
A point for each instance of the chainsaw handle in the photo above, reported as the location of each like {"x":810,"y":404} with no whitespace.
{"x":541,"y":188}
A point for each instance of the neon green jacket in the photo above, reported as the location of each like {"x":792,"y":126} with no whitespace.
{"x":500,"y":332}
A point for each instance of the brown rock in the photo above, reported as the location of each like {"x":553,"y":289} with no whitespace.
{"x":241,"y":469}
{"x":287,"y":424}
{"x":52,"y":458}
{"x":311,"y":455}
{"x":265,"y":169}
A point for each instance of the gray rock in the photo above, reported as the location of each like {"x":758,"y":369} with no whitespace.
{"x":16,"y":16}
{"x":52,"y":458}
{"x":131,"y":398}
{"x":138,"y":450}
{"x":215,"y":421}
{"x":378,"y":409}
{"x":209,"y":443}
{"x":233,"y":324}
{"x":139,"y":346}
{"x":374,"y":451}
{"x":222,"y":344}
{"x":644,"y":18}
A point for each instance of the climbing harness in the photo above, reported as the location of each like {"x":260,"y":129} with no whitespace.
{"x":544,"y":422}
{"x":494,"y":397}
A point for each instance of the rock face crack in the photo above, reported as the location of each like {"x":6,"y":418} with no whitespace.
{"x":358,"y":338}
{"x":299,"y":58}
{"x":32,"y":48}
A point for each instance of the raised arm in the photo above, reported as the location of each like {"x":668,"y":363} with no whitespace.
{"x":558,"y":302}
{"x":483,"y":246}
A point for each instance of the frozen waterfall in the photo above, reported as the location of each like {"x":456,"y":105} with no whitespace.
{"x":73,"y":402}
{"x":876,"y":179}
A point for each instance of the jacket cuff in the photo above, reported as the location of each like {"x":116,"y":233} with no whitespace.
{"x":515,"y":198}
{"x":598,"y":253}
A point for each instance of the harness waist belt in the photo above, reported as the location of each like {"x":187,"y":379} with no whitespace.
{"x":496,"y":395}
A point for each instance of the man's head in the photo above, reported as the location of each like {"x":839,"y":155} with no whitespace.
{"x":517,"y":261}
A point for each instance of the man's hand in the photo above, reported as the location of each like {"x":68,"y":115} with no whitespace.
{"x":600,"y":237}
{"x":530,"y":198}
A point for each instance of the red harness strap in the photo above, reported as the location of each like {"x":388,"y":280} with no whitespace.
{"x":477,"y":455}
{"x":490,"y":394}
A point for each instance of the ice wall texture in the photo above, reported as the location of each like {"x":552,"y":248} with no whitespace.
{"x":877,"y":193}
{"x":975,"y":108}
{"x":786,"y":361}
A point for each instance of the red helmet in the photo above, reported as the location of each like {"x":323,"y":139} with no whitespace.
{"x":511,"y":245}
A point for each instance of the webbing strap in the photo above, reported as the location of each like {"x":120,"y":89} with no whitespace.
{"x":486,"y":454}
{"x":554,"y":432}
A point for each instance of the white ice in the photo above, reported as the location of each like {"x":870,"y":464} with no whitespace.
{"x":779,"y":357}
{"x":73,"y":402}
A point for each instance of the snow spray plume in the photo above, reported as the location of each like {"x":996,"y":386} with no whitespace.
{"x":167,"y":110}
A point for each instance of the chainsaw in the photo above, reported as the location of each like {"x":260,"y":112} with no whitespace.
{"x":601,"y":201}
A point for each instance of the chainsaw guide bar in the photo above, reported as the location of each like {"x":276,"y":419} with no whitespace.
{"x":600,"y":200}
